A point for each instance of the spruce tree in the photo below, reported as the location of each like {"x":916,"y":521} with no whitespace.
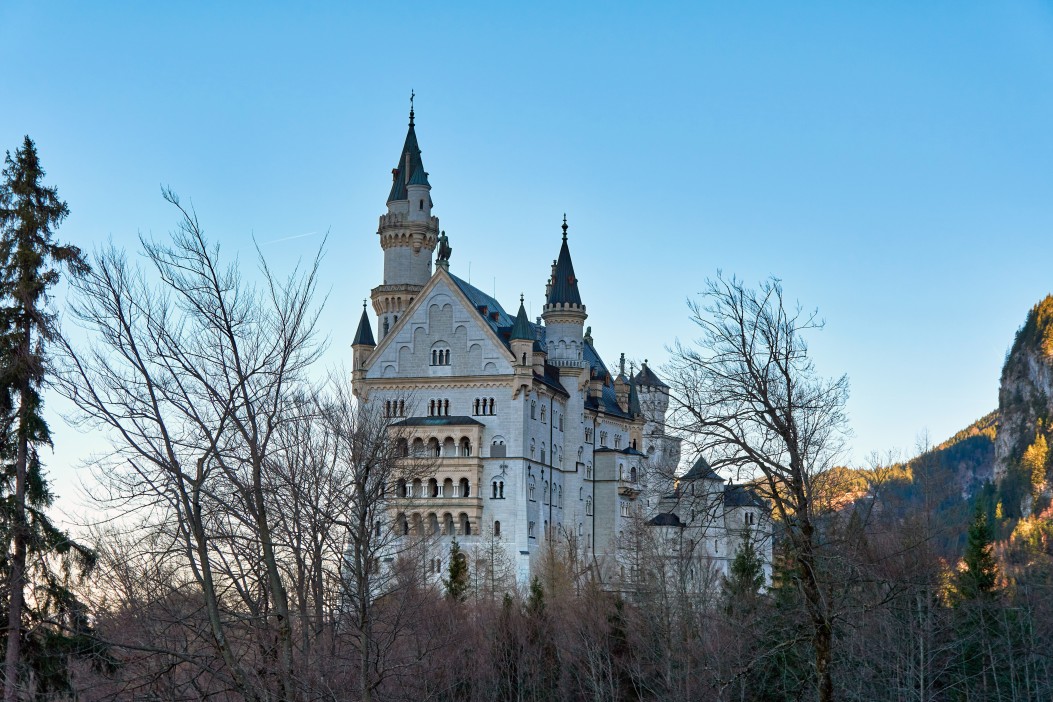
{"x":979,"y":578}
{"x":457,"y":583}
{"x":745,"y":576}
{"x":29,"y":267}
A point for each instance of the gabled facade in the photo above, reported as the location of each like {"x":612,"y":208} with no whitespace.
{"x":533,"y":438}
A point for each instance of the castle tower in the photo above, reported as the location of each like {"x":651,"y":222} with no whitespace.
{"x":563,"y":313}
{"x":362,"y":345}
{"x":408,"y":234}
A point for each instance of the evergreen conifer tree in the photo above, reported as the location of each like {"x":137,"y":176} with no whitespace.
{"x":979,"y":578}
{"x":746,"y":574}
{"x":38,"y":557}
{"x":457,"y":583}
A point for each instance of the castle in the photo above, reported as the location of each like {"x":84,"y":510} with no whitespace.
{"x":534,"y":437}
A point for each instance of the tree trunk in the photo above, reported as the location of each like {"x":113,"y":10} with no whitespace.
{"x":18,"y":558}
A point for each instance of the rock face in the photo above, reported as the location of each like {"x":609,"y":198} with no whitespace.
{"x":1025,"y":398}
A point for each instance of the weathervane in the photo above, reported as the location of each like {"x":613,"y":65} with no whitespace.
{"x":411,"y":96}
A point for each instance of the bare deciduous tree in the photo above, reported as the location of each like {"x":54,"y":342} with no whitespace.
{"x":748,"y":394}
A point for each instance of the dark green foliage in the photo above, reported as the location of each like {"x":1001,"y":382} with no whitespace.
{"x":39,"y":559}
{"x":457,"y":583}
{"x":745,"y":577}
{"x":979,"y":577}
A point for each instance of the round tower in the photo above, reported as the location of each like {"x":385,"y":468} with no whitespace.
{"x":563,"y":313}
{"x":408,"y":234}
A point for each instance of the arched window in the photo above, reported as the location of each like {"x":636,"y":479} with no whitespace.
{"x":493,"y":491}
{"x":581,"y":493}
{"x":445,"y":408}
{"x":533,"y":410}
{"x":466,"y":526}
{"x":530,"y":530}
{"x":402,"y":408}
{"x":501,"y":490}
{"x":561,"y":422}
{"x":497,"y":448}
{"x":449,"y":447}
{"x":497,"y":529}
{"x":588,"y":470}
{"x":632,"y":474}
{"x":465,"y":487}
{"x":475,"y":407}
{"x":532,"y":449}
{"x":447,"y":487}
{"x":418,"y":447}
{"x":402,"y":447}
{"x":401,"y":524}
{"x":542,"y":451}
{"x":588,"y":505}
{"x":387,"y":408}
{"x":466,"y":446}
{"x":544,"y":493}
{"x":447,"y":524}
{"x":542,"y":414}
{"x":433,"y":524}
{"x":561,"y":497}
{"x":530,"y":488}
{"x":433,"y":447}
{"x":421,"y":206}
{"x":491,"y":406}
{"x":400,"y":488}
{"x":418,"y":488}
{"x":433,"y":487}
{"x":581,"y":452}
{"x":440,"y":354}
{"x":749,"y":518}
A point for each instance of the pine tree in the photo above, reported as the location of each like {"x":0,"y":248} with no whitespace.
{"x":457,"y":583}
{"x":979,"y":577}
{"x":29,"y":211}
{"x":746,"y":574}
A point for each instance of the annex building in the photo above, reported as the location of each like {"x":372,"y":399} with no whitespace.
{"x":534,"y":436}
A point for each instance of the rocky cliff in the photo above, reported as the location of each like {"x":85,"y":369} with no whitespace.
{"x":1025,"y":405}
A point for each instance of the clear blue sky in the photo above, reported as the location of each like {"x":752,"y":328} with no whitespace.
{"x":891,"y":162}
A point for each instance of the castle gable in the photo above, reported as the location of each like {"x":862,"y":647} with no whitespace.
{"x":442,"y":334}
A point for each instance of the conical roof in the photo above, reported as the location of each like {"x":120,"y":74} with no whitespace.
{"x":364,"y":335}
{"x":634,"y":400}
{"x":409,"y":158}
{"x":564,"y":287}
{"x":522,"y":330}
{"x":647,"y":378}
{"x":702,"y":471}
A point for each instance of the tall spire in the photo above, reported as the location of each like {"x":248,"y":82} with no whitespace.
{"x":364,"y":334}
{"x":564,"y":285}
{"x":410,"y":169}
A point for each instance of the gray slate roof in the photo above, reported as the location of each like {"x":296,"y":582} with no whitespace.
{"x":417,"y":176}
{"x":564,"y":283}
{"x":522,"y":329}
{"x":364,"y":334}
{"x":742,"y":496}
{"x":702,"y":471}
{"x":646,"y":377}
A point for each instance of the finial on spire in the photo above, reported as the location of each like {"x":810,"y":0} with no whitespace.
{"x":411,"y":96}
{"x":521,"y":298}
{"x":364,"y":304}
{"x":564,"y":226}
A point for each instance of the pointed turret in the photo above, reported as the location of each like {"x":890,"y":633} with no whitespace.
{"x":408,"y":235}
{"x":522,"y":338}
{"x":563,"y":289}
{"x":563,"y":313}
{"x":634,"y":399}
{"x":364,"y":334}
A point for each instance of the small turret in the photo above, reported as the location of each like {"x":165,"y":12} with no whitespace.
{"x":362,"y":345}
{"x":621,"y":386}
{"x":522,"y":339}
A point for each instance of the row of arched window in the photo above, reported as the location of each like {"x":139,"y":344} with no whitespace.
{"x":438,"y":408}
{"x":419,"y":489}
{"x":448,"y":448}
{"x":483,"y":406}
{"x":395,"y":408}
{"x":430,"y":525}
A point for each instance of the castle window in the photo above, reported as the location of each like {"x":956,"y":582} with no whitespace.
{"x":402,"y":524}
{"x":530,"y":489}
{"x":466,"y":526}
{"x":501,"y":490}
{"x":588,"y":436}
{"x":581,"y":529}
{"x":447,"y":487}
{"x":433,"y":487}
{"x":581,"y":493}
{"x":603,"y":438}
{"x":542,"y":451}
{"x":530,"y":530}
{"x":440,"y":355}
{"x":465,"y":487}
{"x":544,"y":493}
{"x":561,"y":497}
{"x":617,"y":441}
{"x":497,"y":529}
{"x":491,"y":412}
{"x":749,"y":518}
{"x":475,"y":407}
{"x":493,"y":491}
{"x":531,"y":449}
{"x":581,"y":451}
{"x":625,"y":508}
{"x":466,"y":447}
{"x":588,"y":471}
{"x":561,"y":422}
{"x":632,"y":474}
{"x":421,"y":206}
{"x":447,"y":524}
{"x":533,"y":410}
{"x":588,"y":505}
{"x":401,"y":488}
{"x":542,"y":414}
{"x":402,"y":448}
{"x":498,"y":448}
{"x":418,"y":488}
{"x":434,"y":447}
